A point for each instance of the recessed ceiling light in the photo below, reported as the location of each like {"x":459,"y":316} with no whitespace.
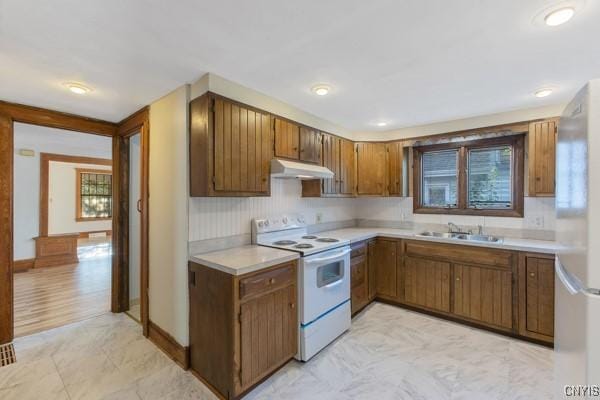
{"x":321,"y":89}
{"x":560,"y":16}
{"x":543,"y":92}
{"x":77,"y":88}
{"x":382,"y":123}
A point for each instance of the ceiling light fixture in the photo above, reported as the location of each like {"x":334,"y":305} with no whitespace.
{"x":543,"y":92}
{"x":321,"y":89}
{"x":382,"y":123}
{"x":77,"y":88}
{"x":560,"y":16}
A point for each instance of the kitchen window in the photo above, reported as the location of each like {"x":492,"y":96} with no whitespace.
{"x":478,"y":177}
{"x":94,"y":194}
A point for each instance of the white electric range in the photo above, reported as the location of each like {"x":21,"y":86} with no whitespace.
{"x":323,"y":279}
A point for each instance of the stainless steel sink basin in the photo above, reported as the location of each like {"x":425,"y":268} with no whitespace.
{"x":462,"y":236}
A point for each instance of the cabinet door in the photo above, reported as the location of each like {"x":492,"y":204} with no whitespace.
{"x":243,"y":144}
{"x":268,"y":332}
{"x":347,"y":166}
{"x":310,"y":145}
{"x":395,"y":161}
{"x":382,"y":257}
{"x":539,"y":296}
{"x":483,"y":294}
{"x":370,"y":169}
{"x":359,"y":279}
{"x":542,"y":157}
{"x":331,"y":160}
{"x":287,"y":136}
{"x":427,"y":283}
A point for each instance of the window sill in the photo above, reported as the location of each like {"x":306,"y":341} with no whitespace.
{"x":470,"y":211}
{"x":88,"y":219}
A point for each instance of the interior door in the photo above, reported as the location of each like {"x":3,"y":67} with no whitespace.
{"x":135,"y":227}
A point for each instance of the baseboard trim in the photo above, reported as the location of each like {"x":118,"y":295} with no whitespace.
{"x":167,"y":343}
{"x":23,"y":265}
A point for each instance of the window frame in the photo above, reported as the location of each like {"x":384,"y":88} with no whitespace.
{"x":78,"y":209}
{"x":462,"y":208}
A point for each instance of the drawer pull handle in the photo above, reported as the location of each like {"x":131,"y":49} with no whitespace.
{"x":532,"y":274}
{"x":458,"y":279}
{"x":271,"y":281}
{"x":292,"y":306}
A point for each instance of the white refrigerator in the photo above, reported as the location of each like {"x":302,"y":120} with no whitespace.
{"x":577,"y":290}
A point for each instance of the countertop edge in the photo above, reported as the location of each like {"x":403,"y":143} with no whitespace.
{"x":244,"y":270}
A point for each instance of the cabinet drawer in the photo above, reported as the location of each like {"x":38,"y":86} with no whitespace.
{"x":358,"y":270}
{"x":460,"y":253}
{"x":358,"y":249}
{"x":265,"y":281}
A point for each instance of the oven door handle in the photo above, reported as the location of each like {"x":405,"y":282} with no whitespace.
{"x":336,"y":283}
{"x":323,"y":259}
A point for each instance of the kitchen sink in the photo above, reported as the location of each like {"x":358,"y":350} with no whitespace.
{"x":462,"y":236}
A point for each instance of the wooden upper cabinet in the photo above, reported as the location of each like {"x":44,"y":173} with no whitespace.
{"x":395,"y":153}
{"x":371,"y":169}
{"x":483,"y":294}
{"x":287,"y":139}
{"x":231,"y":146}
{"x":310,"y":145}
{"x":347,"y":162}
{"x":542,"y":157}
{"x":331,"y":160}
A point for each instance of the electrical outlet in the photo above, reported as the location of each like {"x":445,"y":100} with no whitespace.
{"x":319,"y":217}
{"x":536,"y":221}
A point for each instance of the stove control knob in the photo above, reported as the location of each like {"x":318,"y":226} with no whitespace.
{"x":285,"y":220}
{"x":260,"y":224}
{"x":266,"y":222}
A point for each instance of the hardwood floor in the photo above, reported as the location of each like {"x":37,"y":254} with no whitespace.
{"x":49,"y":297}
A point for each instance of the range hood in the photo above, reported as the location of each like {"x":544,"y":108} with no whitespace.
{"x":292,"y":169}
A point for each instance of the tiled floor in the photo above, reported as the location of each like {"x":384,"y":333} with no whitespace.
{"x":390,"y":353}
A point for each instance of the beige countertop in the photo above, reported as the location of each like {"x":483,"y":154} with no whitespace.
{"x":244,"y":259}
{"x":358,"y":234}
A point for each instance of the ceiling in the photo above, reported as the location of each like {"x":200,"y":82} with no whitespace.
{"x":407,"y":62}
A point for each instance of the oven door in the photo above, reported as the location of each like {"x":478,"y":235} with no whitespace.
{"x":324,"y":283}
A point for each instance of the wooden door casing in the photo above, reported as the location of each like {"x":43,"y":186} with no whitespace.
{"x":483,"y":294}
{"x":427,"y":283}
{"x":371,"y":169}
{"x":395,"y":164}
{"x":542,"y":157}
{"x":242,"y":148}
{"x":287,"y":139}
{"x":268,"y":332}
{"x":310,"y":145}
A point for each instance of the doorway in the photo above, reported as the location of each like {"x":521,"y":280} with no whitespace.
{"x":10,"y":114}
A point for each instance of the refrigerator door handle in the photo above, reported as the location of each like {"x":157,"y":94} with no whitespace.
{"x":571,"y":282}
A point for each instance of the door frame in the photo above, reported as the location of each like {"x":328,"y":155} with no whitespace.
{"x":11,"y":113}
{"x":139,"y":122}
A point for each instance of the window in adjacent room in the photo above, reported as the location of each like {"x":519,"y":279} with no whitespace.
{"x":479,"y":177}
{"x":94,"y":194}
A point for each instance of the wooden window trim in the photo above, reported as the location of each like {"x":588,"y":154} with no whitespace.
{"x":78,"y":172}
{"x":517,"y":143}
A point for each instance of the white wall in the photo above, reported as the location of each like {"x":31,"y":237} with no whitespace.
{"x":168,"y":213}
{"x":134,"y":217}
{"x":220,"y":217}
{"x":27,"y":174}
{"x":62,"y":207}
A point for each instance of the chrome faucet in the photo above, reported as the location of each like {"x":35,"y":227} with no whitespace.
{"x":480,"y":230}
{"x":453,"y":228}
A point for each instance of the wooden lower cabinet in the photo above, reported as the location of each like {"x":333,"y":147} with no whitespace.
{"x":427,"y":283}
{"x":382,"y":259}
{"x":536,"y":296}
{"x":242,"y":328}
{"x":359,"y":270}
{"x":483,"y":294}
